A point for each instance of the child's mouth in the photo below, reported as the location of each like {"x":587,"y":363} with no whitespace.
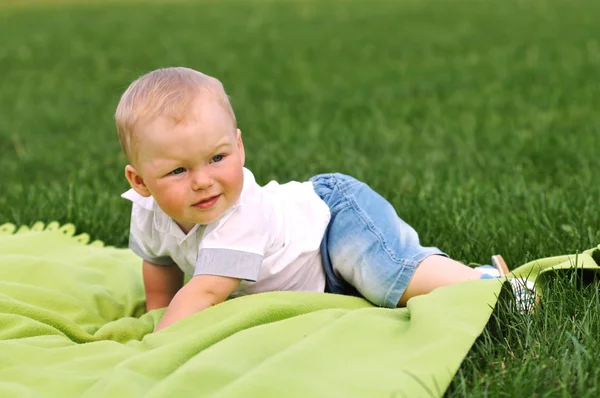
{"x":208,"y":203}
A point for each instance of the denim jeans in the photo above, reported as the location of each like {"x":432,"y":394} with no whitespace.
{"x":367,"y":249}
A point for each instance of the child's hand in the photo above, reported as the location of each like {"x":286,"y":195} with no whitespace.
{"x":201,"y":292}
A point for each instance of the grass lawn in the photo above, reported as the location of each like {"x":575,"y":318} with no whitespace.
{"x":478,"y":120}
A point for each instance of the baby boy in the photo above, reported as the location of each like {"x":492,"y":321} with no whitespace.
{"x":198,"y":211}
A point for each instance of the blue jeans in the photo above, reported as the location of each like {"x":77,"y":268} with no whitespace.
{"x":367,"y":249}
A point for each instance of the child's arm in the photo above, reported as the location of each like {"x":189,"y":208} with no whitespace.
{"x":201,"y":292}
{"x":161,"y":283}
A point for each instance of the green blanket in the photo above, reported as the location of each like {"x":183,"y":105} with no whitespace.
{"x":72,"y":324}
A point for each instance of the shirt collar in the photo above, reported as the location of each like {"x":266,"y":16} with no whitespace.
{"x":160,"y":220}
{"x":146,"y":202}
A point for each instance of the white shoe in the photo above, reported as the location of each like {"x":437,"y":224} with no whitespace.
{"x":525,"y":296}
{"x":523,"y":289}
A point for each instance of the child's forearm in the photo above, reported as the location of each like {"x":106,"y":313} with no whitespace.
{"x":201,"y":292}
{"x":183,"y":306}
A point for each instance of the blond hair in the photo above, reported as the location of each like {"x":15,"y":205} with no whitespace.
{"x":165,"y":92}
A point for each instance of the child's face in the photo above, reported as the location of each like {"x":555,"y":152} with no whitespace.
{"x":194,"y":169}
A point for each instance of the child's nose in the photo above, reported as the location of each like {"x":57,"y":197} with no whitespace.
{"x":201,"y":180}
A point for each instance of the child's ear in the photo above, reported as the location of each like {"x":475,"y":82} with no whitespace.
{"x":240,"y":144}
{"x":136,"y":181}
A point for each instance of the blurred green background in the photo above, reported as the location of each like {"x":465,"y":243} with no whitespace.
{"x":478,"y":120}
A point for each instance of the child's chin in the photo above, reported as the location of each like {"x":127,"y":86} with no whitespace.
{"x":210,"y":219}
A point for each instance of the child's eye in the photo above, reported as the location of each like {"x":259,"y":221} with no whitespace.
{"x":178,"y":170}
{"x":217,"y":158}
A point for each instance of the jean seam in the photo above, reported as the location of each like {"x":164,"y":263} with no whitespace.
{"x":395,"y":283}
{"x":372,"y":227}
{"x":335,"y":183}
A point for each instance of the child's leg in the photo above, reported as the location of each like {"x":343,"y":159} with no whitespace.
{"x":369,"y":251}
{"x":437,"y":271}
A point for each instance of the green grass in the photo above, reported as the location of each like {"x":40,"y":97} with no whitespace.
{"x":478,"y":120}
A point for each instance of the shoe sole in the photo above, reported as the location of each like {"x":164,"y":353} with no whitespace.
{"x":499,"y":263}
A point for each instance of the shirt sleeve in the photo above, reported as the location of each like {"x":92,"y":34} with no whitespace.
{"x":138,"y":239}
{"x":236,"y":247}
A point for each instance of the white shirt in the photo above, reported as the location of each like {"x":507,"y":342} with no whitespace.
{"x":270,"y":238}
